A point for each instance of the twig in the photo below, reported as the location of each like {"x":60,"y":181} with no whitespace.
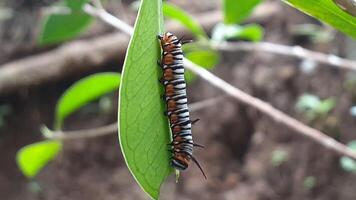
{"x":274,"y":113}
{"x":81,"y":134}
{"x":108,"y":18}
{"x":295,"y":51}
{"x":112,"y":128}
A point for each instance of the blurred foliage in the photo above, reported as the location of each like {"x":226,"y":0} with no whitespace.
{"x":328,"y":12}
{"x":106,"y":104}
{"x":66,"y":23}
{"x":308,"y":66}
{"x":5,"y":13}
{"x":353,"y":111}
{"x":188,"y":21}
{"x":34,"y":187}
{"x":84,"y":91}
{"x":251,"y":32}
{"x":348,"y":164}
{"x":350,"y":85}
{"x":32,"y":158}
{"x":309,"y":182}
{"x":315,"y":33}
{"x":279,"y":156}
{"x":207,"y":58}
{"x":4,"y":110}
{"x":317,"y":113}
{"x":143,"y":129}
{"x":235,"y":11}
{"x":313,"y":107}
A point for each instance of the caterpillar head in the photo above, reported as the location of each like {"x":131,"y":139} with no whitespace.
{"x":169,"y":41}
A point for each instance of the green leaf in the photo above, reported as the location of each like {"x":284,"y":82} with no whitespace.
{"x":309,"y":182}
{"x":32,"y":158}
{"x":143,"y":129}
{"x":326,"y":106}
{"x":278,"y":157}
{"x":188,"y":21}
{"x":307,"y":102}
{"x":237,"y":10}
{"x":207,"y":58}
{"x":252,"y":32}
{"x":75,"y":4}
{"x":84,"y":91}
{"x":328,"y":12}
{"x":60,"y":27}
{"x":348,"y":164}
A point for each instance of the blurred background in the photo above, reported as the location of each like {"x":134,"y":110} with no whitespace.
{"x":247,"y":155}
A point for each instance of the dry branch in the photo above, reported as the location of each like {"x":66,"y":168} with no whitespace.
{"x":87,"y":55}
{"x":112,"y":128}
{"x":295,"y":51}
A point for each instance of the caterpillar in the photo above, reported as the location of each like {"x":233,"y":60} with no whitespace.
{"x":175,"y":97}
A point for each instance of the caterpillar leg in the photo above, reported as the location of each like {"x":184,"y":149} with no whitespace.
{"x":182,"y":41}
{"x":159,"y":37}
{"x":198,"y":145}
{"x":195,"y":121}
{"x":159,"y":63}
{"x":163,"y":96}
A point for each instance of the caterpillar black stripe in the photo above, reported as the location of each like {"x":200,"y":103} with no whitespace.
{"x":176,"y":100}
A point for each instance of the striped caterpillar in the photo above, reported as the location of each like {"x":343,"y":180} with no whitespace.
{"x":176,"y":101}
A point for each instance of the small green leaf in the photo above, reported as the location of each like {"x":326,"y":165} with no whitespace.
{"x":307,"y":102}
{"x":32,"y":158}
{"x":279,"y":157}
{"x":326,"y":106}
{"x":328,"y":12}
{"x":75,"y":4}
{"x":207,"y":58}
{"x":143,"y":129}
{"x":59,"y":27}
{"x":353,"y":111}
{"x":84,"y":91}
{"x":252,"y":32}
{"x":348,"y":164}
{"x":34,"y":187}
{"x":309,"y":182}
{"x":188,"y":21}
{"x":237,"y":10}
{"x":6,"y":13}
